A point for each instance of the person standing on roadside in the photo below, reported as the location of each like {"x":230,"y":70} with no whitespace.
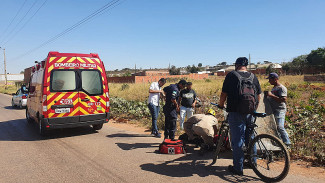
{"x":278,"y":98}
{"x":242,"y":91}
{"x":187,"y":100}
{"x":171,"y":108}
{"x":153,"y":104}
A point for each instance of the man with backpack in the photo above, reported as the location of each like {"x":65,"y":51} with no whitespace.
{"x":242,"y":91}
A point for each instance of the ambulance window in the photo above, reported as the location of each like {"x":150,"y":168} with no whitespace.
{"x":91,"y":82}
{"x":63,"y":80}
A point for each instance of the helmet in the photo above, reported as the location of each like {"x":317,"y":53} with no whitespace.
{"x":243,"y":61}
{"x":212,"y":112}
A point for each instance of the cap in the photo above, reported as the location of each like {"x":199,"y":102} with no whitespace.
{"x":273,"y":75}
{"x":242,"y":61}
{"x":182,"y":82}
{"x":189,"y":83}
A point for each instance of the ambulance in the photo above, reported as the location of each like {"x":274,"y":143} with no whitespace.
{"x":68,"y":90}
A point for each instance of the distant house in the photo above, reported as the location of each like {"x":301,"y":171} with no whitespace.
{"x":11,"y":78}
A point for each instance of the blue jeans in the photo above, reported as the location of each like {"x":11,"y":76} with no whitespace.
{"x":280,"y":119}
{"x":154,"y":110}
{"x":240,"y":135}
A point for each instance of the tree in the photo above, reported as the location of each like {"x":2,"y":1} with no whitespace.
{"x":298,"y":64}
{"x":192,"y":69}
{"x":22,"y":72}
{"x":316,"y":57}
{"x":286,"y":67}
{"x":270,"y":69}
{"x":199,"y":65}
{"x":223,"y":63}
{"x":174,"y":71}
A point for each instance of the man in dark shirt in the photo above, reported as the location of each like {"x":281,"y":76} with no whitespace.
{"x":187,"y":100}
{"x":171,"y":108}
{"x":238,"y":122}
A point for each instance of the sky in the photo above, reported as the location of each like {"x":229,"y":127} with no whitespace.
{"x":154,"y":34}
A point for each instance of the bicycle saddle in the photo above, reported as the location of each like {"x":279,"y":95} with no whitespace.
{"x":259,"y":114}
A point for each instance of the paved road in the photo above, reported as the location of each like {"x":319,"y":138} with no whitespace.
{"x":110,"y":155}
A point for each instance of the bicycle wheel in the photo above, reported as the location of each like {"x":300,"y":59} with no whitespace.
{"x":269,"y":158}
{"x":220,"y":143}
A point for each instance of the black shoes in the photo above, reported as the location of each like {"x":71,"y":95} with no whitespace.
{"x":234,"y":171}
{"x":156,"y":134}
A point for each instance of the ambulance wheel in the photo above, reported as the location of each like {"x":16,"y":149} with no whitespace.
{"x":98,"y":126}
{"x":42,"y":130}
{"x":29,"y":119}
{"x":20,"y":105}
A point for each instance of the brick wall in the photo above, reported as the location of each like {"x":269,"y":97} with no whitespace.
{"x":319,"y":78}
{"x":149,"y":79}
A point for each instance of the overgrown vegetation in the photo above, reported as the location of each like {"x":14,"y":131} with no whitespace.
{"x":305,"y":116}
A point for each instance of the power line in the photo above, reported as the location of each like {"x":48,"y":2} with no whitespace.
{"x":112,"y":4}
{"x":22,"y":18}
{"x":13,"y":19}
{"x":30,"y":18}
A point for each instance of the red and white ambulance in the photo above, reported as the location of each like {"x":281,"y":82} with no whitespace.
{"x":68,"y":90}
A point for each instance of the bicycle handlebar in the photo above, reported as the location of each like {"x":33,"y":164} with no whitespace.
{"x":217,"y":105}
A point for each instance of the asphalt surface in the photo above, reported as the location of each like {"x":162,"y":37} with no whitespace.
{"x":109,"y":155}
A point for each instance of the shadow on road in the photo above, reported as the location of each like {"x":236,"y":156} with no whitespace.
{"x":127,"y":135}
{"x":192,"y":164}
{"x":13,"y":108}
{"x":126,"y":146}
{"x":20,"y":130}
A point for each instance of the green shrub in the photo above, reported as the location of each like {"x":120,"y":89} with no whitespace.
{"x":125,"y":87}
{"x":293,"y":94}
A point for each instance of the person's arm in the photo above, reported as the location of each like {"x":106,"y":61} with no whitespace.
{"x":180,"y":98}
{"x":222,"y":100}
{"x":194,"y":102}
{"x":276,"y":98}
{"x":155,"y":91}
{"x":174,"y":101}
{"x":152,"y":89}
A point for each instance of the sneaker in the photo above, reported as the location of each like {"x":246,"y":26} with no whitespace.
{"x":158,"y":135}
{"x":234,"y":171}
{"x":247,"y":165}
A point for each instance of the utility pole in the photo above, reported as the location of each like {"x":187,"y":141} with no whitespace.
{"x":5,"y":65}
{"x":249,"y":61}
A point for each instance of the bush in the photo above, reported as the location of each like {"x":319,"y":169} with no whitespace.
{"x":125,"y":87}
{"x":292,"y":94}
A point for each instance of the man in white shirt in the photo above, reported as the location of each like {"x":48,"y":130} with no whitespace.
{"x":153,"y":104}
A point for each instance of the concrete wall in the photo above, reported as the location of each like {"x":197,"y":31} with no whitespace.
{"x":12,"y":77}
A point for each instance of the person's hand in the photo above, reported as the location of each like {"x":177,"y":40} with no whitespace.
{"x":269,"y":93}
{"x":193,"y":105}
{"x":222,"y":106}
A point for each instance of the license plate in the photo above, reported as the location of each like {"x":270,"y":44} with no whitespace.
{"x":62,"y":110}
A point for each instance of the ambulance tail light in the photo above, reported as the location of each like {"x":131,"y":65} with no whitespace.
{"x":44,"y":103}
{"x":24,"y":97}
{"x":107,"y":100}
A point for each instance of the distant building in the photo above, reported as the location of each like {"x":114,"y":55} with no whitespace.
{"x":11,"y":78}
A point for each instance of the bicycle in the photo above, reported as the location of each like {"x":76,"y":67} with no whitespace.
{"x":266,"y":154}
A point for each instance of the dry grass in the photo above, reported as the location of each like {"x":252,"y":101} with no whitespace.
{"x":204,"y":88}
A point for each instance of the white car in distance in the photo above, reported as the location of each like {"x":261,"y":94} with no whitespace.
{"x":19,"y":99}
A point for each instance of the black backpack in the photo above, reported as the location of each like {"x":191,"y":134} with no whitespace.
{"x":247,"y":97}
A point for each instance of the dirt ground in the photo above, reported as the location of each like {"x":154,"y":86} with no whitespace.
{"x":296,"y":167}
